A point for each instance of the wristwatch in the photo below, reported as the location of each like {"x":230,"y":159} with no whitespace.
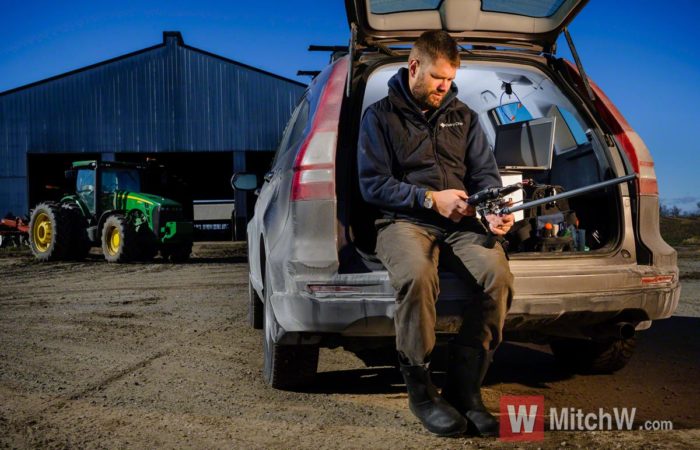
{"x":428,"y":200}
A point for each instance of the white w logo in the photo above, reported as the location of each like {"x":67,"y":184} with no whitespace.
{"x":523,"y":417}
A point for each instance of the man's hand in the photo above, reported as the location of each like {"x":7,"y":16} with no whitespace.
{"x":500,"y":224}
{"x":452,"y":203}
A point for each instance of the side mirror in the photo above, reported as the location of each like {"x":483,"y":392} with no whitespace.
{"x":244,"y":181}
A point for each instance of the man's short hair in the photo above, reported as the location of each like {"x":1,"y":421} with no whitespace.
{"x":436,"y":44}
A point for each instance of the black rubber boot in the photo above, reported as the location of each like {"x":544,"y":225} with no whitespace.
{"x":466,"y":368}
{"x":436,"y":415}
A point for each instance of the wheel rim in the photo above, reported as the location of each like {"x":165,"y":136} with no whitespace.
{"x":114,"y":241}
{"x":42,"y":232}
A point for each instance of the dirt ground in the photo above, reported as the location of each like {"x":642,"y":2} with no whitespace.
{"x":96,"y":355}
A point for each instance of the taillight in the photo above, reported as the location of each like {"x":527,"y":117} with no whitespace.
{"x":314,"y":167}
{"x":629,"y":140}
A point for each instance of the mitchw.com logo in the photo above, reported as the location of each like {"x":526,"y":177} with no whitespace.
{"x":522,"y":419}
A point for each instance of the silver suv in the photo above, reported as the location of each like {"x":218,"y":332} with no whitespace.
{"x":589,"y":272}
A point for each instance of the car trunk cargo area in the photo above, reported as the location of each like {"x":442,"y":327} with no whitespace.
{"x":539,"y":136}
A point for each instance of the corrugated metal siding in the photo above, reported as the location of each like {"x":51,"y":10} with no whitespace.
{"x":168,"y":98}
{"x":171,"y":98}
{"x":13,"y":195}
{"x":225,"y":106}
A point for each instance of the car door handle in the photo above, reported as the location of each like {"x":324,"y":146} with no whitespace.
{"x":268,"y":176}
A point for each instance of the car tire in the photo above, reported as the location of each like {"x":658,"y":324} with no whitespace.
{"x":255,"y":308}
{"x":587,"y":356}
{"x":285,"y":367}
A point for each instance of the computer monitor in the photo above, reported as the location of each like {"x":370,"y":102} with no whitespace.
{"x":564,"y":139}
{"x":525,"y":145}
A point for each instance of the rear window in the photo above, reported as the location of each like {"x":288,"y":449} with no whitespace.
{"x":530,"y":8}
{"x":574,"y":126}
{"x":120,"y":179}
{"x":292,"y":134}
{"x":392,"y":6}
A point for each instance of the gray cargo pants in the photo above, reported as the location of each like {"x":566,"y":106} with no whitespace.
{"x":410,"y":252}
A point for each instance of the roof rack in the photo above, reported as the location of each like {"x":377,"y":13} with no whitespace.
{"x":337,"y":51}
{"x":308,"y":73}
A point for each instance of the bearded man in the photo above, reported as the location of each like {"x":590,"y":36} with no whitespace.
{"x":421,"y":151}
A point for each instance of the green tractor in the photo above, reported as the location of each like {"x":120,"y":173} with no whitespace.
{"x":107,"y":208}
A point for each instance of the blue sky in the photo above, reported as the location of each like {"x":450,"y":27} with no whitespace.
{"x":641,"y":53}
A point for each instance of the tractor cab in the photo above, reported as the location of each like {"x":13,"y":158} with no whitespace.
{"x":96,"y":183}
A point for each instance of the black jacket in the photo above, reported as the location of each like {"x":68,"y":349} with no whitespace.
{"x":402,"y":153}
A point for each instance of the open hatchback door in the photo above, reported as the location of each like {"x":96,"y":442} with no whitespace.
{"x":585,"y":289}
{"x":533,"y":24}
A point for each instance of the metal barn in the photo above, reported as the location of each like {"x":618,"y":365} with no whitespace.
{"x":203,"y":115}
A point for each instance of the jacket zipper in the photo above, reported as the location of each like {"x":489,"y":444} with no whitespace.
{"x":437,"y":159}
{"x":434,"y":131}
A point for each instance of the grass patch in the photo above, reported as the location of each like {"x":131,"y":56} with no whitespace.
{"x":681,"y":230}
{"x":690,"y":276}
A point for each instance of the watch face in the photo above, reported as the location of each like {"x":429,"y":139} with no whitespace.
{"x":428,"y":202}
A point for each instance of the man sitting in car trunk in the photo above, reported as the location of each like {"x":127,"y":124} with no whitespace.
{"x":421,"y":151}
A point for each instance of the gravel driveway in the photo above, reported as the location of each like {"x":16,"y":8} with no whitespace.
{"x":97,"y":355}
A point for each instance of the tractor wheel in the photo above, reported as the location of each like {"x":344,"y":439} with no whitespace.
{"x":148,"y":251}
{"x":79,"y":241}
{"x":148,"y":247}
{"x":49,"y":232}
{"x":181,"y":253}
{"x":176,"y":253}
{"x":165,"y":253}
{"x":119,"y":240}
{"x":584,"y":356}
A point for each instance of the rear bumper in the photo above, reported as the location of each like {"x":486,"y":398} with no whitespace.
{"x":374,"y":316}
{"x":371,"y":314}
{"x":658,"y":303}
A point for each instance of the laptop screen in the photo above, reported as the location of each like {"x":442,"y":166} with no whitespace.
{"x":525,"y":145}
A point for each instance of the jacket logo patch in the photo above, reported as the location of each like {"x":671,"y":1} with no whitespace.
{"x":453,"y":124}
